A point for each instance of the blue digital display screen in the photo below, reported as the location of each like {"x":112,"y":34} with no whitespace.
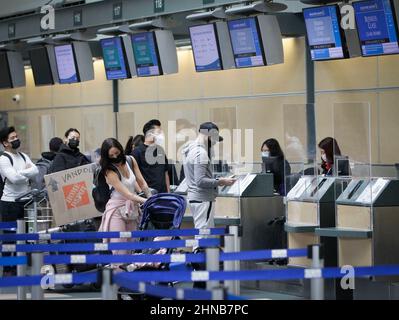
{"x":245,"y":40}
{"x":145,"y":54}
{"x":205,"y":48}
{"x":114,"y":60}
{"x":323,"y":31}
{"x":376,"y":27}
{"x":66,"y":65}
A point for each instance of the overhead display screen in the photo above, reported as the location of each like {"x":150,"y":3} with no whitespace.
{"x":66,"y":65}
{"x":323,"y":31}
{"x":146,"y":54}
{"x":246,"y":43}
{"x":377,"y":28}
{"x":114,"y":58}
{"x":41,"y":68}
{"x":205,"y":48}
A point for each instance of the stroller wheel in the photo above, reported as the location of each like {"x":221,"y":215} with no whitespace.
{"x":131,"y":297}
{"x":126,"y":294}
{"x":95,"y":286}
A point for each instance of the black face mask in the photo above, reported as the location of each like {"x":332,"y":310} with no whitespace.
{"x":16,"y":144}
{"x":73,"y":143}
{"x":118,"y":159}
{"x":211,"y":144}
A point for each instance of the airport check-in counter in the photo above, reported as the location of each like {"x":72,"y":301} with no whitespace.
{"x":367,"y":223}
{"x":311,"y":205}
{"x":250,"y":203}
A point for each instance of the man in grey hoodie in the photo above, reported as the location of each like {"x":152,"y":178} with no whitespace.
{"x":202,"y":187}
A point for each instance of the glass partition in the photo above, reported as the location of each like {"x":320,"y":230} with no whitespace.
{"x":301,"y":179}
{"x":351,"y":150}
{"x":299,"y":150}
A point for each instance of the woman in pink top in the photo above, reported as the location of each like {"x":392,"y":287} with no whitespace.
{"x":122,"y":212}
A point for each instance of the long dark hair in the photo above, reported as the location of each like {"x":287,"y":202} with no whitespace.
{"x":133,"y":142}
{"x":274,"y":148}
{"x":105,"y":162}
{"x":331,"y":148}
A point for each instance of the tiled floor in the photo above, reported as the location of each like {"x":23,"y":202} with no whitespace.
{"x":85,"y":293}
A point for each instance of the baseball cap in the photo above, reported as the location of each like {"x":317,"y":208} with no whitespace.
{"x":210,"y":129}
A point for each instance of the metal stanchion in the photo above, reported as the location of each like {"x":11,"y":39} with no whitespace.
{"x":108,"y":289}
{"x":21,"y":269}
{"x":212,"y":264}
{"x":34,"y":216}
{"x":235,"y":231}
{"x":218,"y":293}
{"x":229,"y":265}
{"x":37,"y":263}
{"x":317,"y":284}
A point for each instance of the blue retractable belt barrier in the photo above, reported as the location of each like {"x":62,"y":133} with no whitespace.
{"x":25,"y":281}
{"x":110,"y":235}
{"x":8,"y":225}
{"x":76,"y":247}
{"x":288,"y":274}
{"x":233,"y":297}
{"x":36,"y":280}
{"x":126,"y":278}
{"x":101,"y":259}
{"x":13,"y":261}
{"x":164,"y":291}
{"x":165,"y":258}
{"x":262,"y":254}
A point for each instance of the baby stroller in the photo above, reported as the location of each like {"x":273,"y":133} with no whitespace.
{"x":161,"y":211}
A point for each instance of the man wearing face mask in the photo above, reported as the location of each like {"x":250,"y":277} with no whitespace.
{"x":16,"y":168}
{"x":69,"y":156}
{"x":151,"y":157}
{"x":202,"y":187}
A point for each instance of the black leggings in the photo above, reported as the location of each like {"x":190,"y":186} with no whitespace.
{"x":10,"y":212}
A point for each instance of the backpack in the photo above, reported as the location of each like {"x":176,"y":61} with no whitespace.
{"x":101,"y":192}
{"x":43,"y":165}
{"x":3,"y":181}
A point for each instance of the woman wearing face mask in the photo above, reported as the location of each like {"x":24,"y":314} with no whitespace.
{"x":329,"y":150}
{"x":280,"y":168}
{"x":69,"y":156}
{"x":122,"y":210}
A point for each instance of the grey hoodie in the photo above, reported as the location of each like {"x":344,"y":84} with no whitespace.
{"x":198,"y":172}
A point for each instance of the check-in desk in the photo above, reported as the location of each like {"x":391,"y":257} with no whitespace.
{"x":251,"y":203}
{"x":310,"y":205}
{"x":367,"y":223}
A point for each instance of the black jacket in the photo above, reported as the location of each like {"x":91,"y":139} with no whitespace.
{"x":343,"y":168}
{"x":66,"y":158}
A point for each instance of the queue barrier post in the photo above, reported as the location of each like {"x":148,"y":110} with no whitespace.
{"x":37,"y":263}
{"x":21,"y":269}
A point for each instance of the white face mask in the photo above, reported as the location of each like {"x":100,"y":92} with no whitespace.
{"x":324,"y":157}
{"x":160,"y":139}
{"x":265,"y":154}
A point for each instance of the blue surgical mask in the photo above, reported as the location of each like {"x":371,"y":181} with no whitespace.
{"x":265,"y":154}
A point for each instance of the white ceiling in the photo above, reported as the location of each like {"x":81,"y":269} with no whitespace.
{"x":18,"y":6}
